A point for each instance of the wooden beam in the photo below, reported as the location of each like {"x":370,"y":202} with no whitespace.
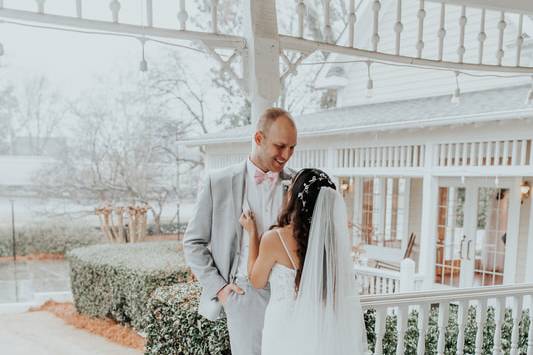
{"x":298,"y":44}
{"x":262,"y":41}
{"x":221,"y":41}
{"x":517,"y":6}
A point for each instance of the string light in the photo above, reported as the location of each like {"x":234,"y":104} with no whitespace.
{"x":143,"y":65}
{"x":529,"y":98}
{"x":456,"y":96}
{"x":370,"y":82}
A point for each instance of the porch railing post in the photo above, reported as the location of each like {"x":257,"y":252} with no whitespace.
{"x":261,"y":34}
{"x":407,"y":275}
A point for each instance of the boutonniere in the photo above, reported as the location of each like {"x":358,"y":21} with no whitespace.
{"x":286,"y":183}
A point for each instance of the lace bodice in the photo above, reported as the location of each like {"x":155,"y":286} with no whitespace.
{"x":282,"y":283}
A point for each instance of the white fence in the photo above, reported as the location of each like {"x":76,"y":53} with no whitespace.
{"x":373,"y":281}
{"x":456,"y":307}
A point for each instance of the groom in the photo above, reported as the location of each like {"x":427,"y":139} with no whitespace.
{"x":215,"y":247}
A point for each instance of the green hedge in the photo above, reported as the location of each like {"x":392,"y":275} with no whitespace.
{"x":48,"y":238}
{"x":176,"y":328}
{"x":116,"y":280}
{"x":452,"y":330}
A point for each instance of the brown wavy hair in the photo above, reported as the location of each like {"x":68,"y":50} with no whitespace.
{"x":298,"y":211}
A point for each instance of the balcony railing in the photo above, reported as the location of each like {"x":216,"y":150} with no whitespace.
{"x":485,"y":320}
{"x":373,"y":281}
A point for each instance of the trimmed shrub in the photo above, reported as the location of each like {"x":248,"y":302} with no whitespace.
{"x":411,"y":335}
{"x":116,"y":280}
{"x":174,"y":326}
{"x":49,"y":238}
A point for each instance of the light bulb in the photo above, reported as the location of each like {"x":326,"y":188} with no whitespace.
{"x":143,"y":65}
{"x":529,"y":98}
{"x":456,"y":97}
{"x":370,"y":88}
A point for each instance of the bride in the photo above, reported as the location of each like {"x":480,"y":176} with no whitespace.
{"x":314,"y":306}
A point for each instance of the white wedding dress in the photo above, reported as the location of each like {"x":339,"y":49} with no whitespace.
{"x":325,"y":318}
{"x":281,"y":304}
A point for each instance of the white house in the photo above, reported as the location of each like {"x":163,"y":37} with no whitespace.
{"x":445,"y":184}
{"x":455,"y":177}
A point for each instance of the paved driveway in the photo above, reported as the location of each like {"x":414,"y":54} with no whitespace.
{"x":42,"y":333}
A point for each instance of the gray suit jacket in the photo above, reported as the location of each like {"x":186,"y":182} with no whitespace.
{"x":213,"y":234}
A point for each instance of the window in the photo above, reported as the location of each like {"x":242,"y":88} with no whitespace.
{"x":383,"y":211}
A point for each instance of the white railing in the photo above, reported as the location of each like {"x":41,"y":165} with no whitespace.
{"x":430,"y":33}
{"x":373,"y":281}
{"x":315,"y":158}
{"x":478,"y":320}
{"x":404,"y":156}
{"x":486,"y":153}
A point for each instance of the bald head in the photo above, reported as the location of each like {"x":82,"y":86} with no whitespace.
{"x":270,"y":116}
{"x":275,"y":140}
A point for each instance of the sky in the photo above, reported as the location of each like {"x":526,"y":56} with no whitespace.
{"x":73,"y":60}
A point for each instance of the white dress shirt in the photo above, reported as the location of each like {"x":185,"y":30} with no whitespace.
{"x":264,"y":200}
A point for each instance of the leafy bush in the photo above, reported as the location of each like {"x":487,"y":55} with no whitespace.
{"x":411,"y":335}
{"x":48,"y":238}
{"x":116,"y":280}
{"x":167,"y":228}
{"x":174,"y":326}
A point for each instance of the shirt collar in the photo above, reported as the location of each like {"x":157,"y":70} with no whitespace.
{"x":251,"y":168}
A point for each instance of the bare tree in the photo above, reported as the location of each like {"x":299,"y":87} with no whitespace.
{"x":119,"y":153}
{"x":8,"y":108}
{"x":40,"y":113}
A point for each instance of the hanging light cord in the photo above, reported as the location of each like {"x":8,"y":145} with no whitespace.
{"x":102,"y":33}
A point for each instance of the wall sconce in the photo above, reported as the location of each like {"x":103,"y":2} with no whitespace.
{"x":344,"y":186}
{"x":524,"y":190}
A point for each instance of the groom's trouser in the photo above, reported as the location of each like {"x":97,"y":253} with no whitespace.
{"x":245,"y":315}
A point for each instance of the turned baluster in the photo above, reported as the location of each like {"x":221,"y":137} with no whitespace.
{"x":481,"y":317}
{"x":423,"y":317}
{"x":401,"y":328}
{"x":444,"y":312}
{"x":380,"y":330}
{"x":461,"y":325}
{"x":499,"y":317}
{"x":517,"y":316}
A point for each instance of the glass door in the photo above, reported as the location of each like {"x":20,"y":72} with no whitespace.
{"x":471,"y":233}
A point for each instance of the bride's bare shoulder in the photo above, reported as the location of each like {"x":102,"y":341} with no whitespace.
{"x":270,"y":239}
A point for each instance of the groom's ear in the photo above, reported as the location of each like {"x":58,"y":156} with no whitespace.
{"x":258,"y":137}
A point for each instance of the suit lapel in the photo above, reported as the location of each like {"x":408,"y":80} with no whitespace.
{"x":286,"y":174}
{"x":237,"y":186}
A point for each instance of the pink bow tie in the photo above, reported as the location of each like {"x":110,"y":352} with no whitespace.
{"x":260,"y":176}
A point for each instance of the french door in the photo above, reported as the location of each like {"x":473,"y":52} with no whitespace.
{"x":471,"y":232}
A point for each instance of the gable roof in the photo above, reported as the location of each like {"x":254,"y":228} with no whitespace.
{"x":480,"y":106}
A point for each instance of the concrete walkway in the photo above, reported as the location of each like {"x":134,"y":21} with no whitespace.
{"x":42,"y":333}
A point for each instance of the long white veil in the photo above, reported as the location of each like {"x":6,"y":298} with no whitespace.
{"x":328,"y":319}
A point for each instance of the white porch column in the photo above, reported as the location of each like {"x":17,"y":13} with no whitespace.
{"x":262,"y":42}
{"x":428,"y":229}
{"x":513,"y":227}
{"x":529,"y":263}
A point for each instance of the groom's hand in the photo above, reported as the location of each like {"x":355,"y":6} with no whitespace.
{"x":224,"y":293}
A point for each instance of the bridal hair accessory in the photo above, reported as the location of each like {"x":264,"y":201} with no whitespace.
{"x":303,"y":194}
